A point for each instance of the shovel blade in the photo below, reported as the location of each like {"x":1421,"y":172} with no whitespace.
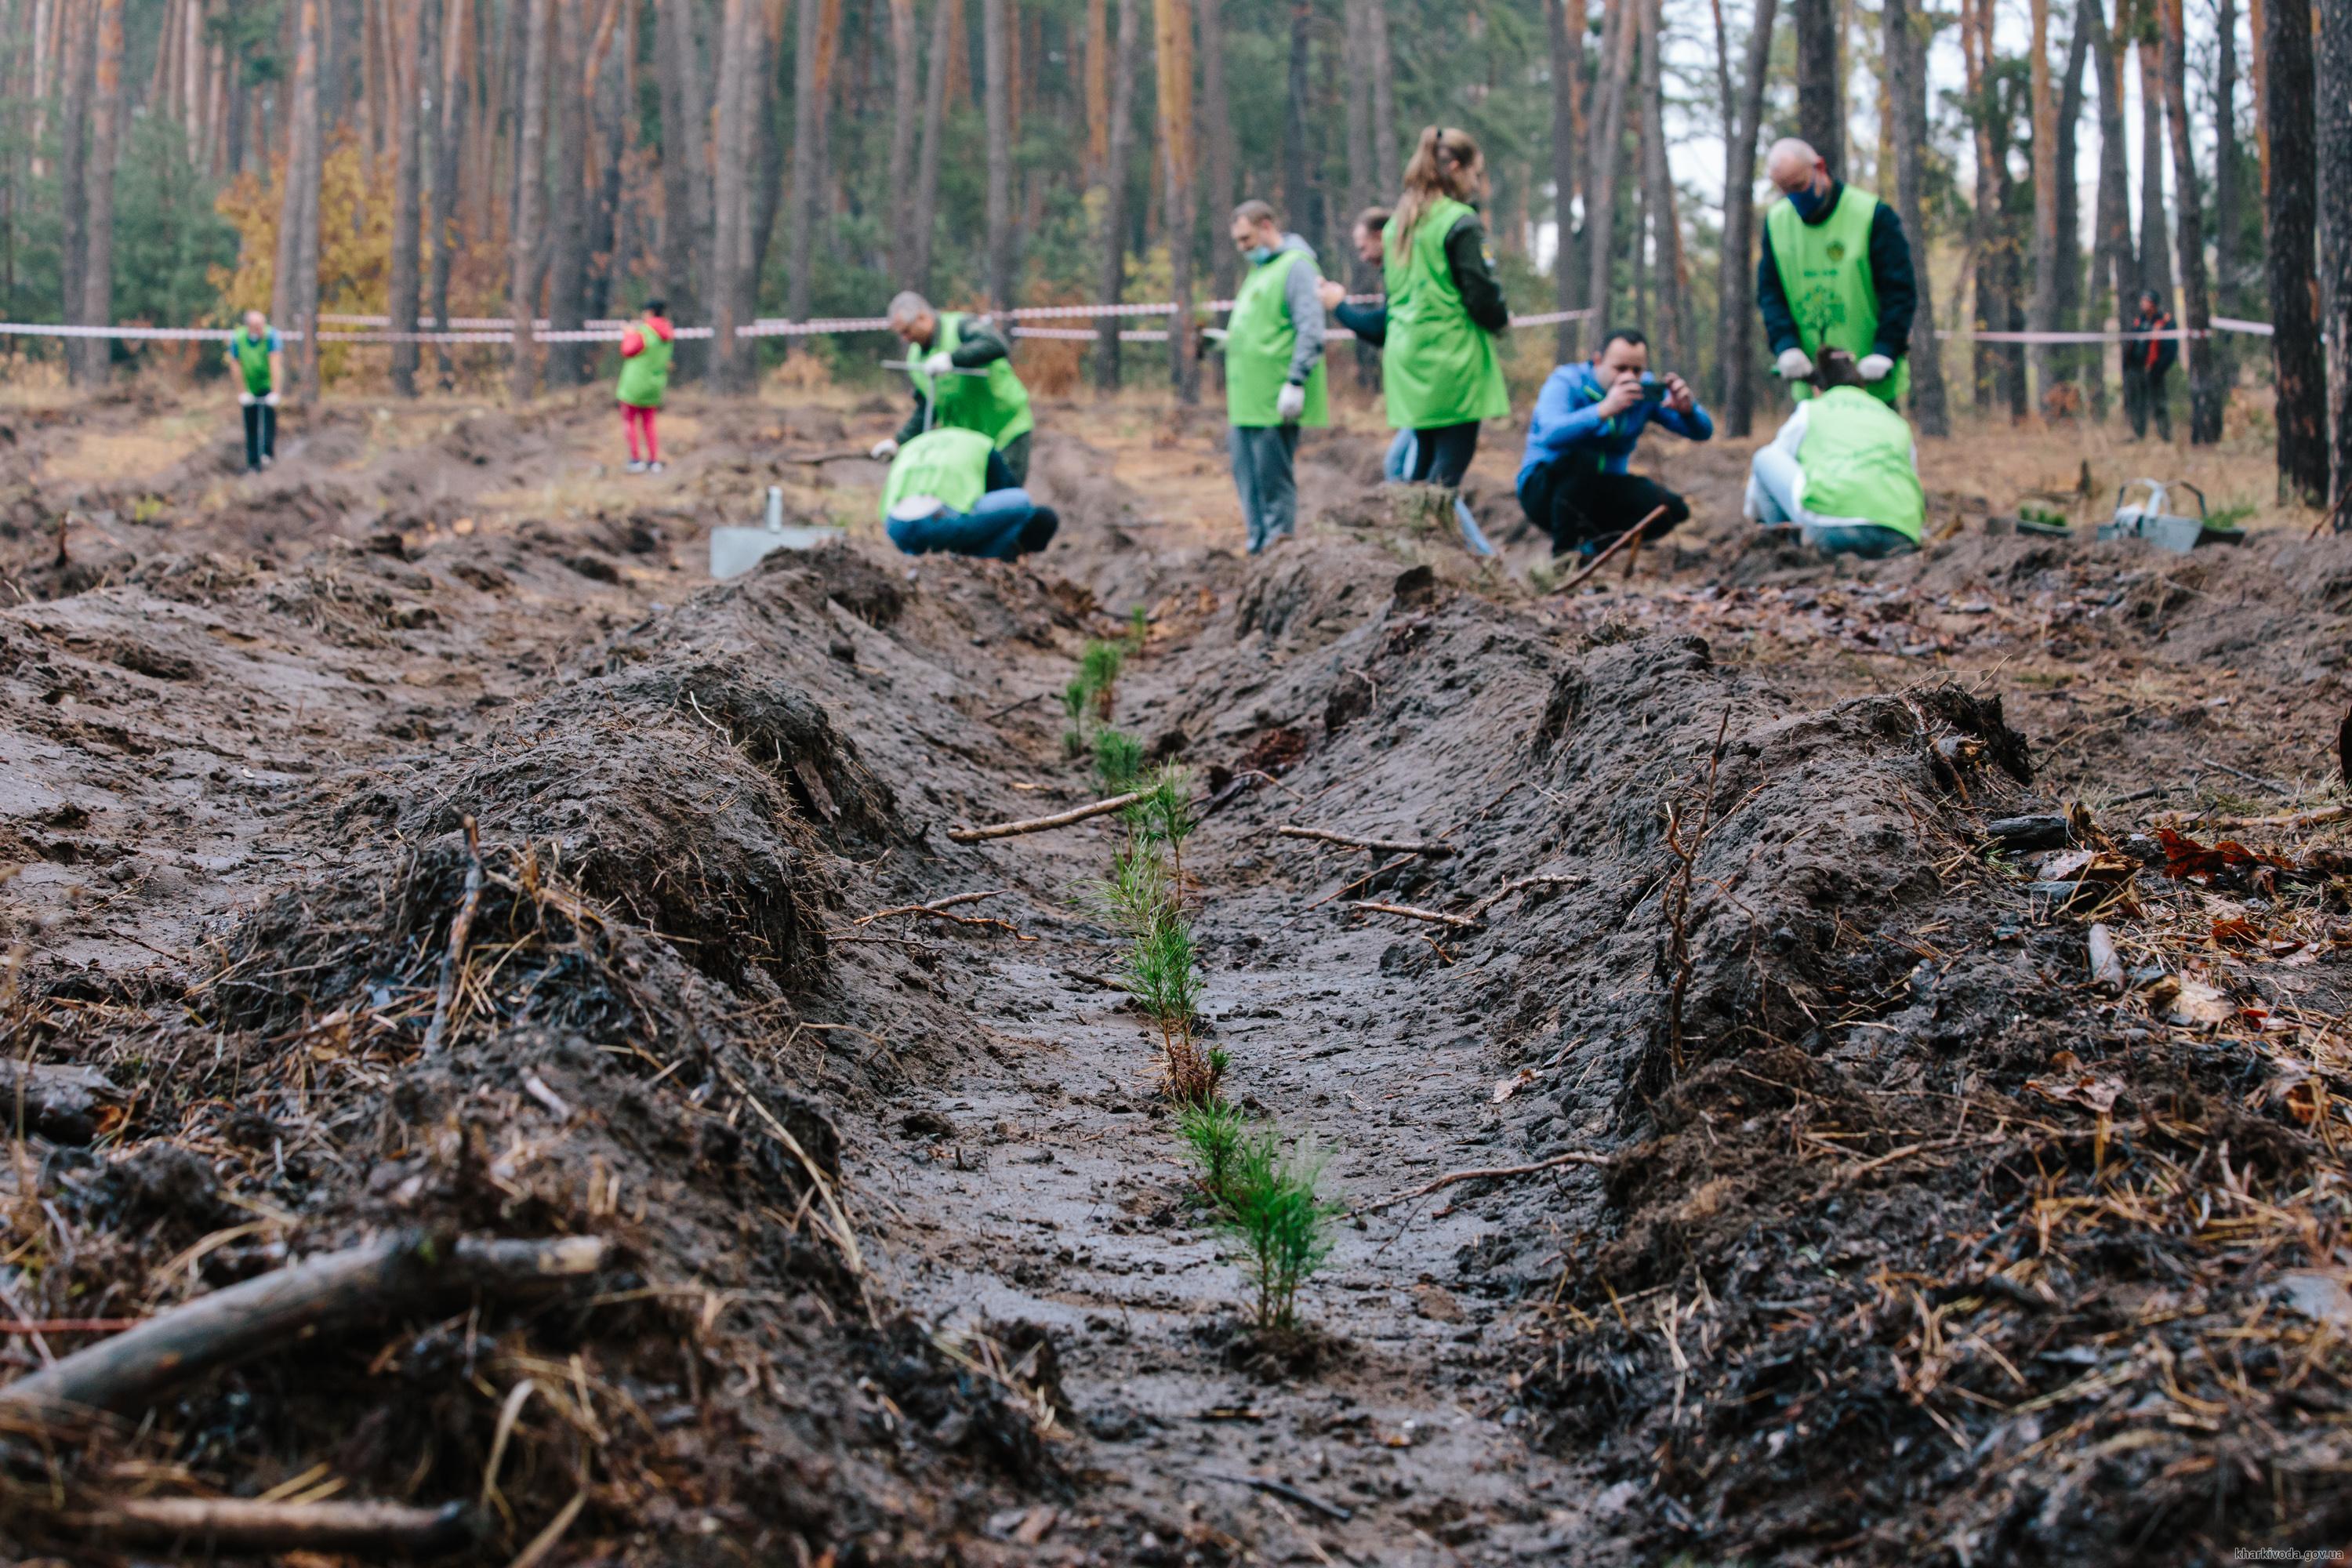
{"x":735,"y":551}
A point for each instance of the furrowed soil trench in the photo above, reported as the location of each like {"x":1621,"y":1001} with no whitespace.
{"x":1851,"y":1216}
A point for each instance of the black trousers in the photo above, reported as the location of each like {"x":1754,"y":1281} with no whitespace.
{"x":1578,"y":505}
{"x":260,"y":435}
{"x":2143,"y":395}
{"x":1442,"y":456}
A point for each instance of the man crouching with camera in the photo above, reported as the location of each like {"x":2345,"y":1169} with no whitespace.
{"x":1573,"y":481}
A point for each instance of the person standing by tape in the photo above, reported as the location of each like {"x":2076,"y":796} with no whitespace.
{"x":1275,"y":380}
{"x":1438,"y":366}
{"x":943,"y":348}
{"x":645,"y":381}
{"x":2148,"y":359}
{"x":258,"y":357}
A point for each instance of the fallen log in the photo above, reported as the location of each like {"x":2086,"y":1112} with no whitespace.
{"x":238,"y":1525}
{"x":320,"y":1295}
{"x":1435,"y":917}
{"x":1040,"y":824}
{"x":1433,"y":851}
{"x":1623,"y":539}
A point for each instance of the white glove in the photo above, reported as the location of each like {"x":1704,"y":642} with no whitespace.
{"x":270,"y":398}
{"x":1290,"y":402}
{"x":246,"y":400}
{"x":1793,"y":364}
{"x":938,"y":364}
{"x":885,"y":449}
{"x":1874,"y":367}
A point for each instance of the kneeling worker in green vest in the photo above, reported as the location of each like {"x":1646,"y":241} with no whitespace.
{"x":962,"y":372}
{"x":1835,"y":274}
{"x":1843,"y":469}
{"x":1274,"y":370}
{"x":949,"y":490}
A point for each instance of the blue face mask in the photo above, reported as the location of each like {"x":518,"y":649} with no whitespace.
{"x":1259,"y":255}
{"x":1808,"y":203}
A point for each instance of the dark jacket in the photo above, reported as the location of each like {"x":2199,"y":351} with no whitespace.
{"x":1890,"y":273}
{"x":2150,"y":356}
{"x":1473,"y":270}
{"x":979,"y":344}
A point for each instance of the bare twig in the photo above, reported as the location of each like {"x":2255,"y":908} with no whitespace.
{"x":315,"y":1297}
{"x":1431,"y":848}
{"x":1040,"y":824}
{"x":838,"y":455}
{"x":2289,"y":820}
{"x":1435,"y":917}
{"x":1283,"y":1489}
{"x":1623,"y":542}
{"x":1520,"y":885}
{"x":1574,"y":1157}
{"x":453,"y":963}
{"x":2270,"y":784}
{"x":996,"y":713}
{"x":240,"y":1525}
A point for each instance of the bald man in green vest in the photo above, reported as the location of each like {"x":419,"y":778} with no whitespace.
{"x":1835,"y":273}
{"x":1274,"y":370}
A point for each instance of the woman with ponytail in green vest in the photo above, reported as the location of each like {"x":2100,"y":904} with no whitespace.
{"x":1445,"y":306}
{"x":257,"y":358}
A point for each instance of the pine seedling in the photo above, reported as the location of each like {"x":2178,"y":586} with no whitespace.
{"x":1165,"y":816}
{"x":1161,"y":970}
{"x":1139,"y":630}
{"x":1282,"y":1228}
{"x":1136,"y":893}
{"x":1119,"y":761}
{"x":1213,"y":1130}
{"x":1099,"y":669}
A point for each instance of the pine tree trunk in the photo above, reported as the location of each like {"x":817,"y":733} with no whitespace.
{"x":1990,"y":240}
{"x":2069,"y":359}
{"x":1383,"y":70}
{"x":2334,"y":131}
{"x":676,"y":63}
{"x":1821,"y":112}
{"x":1906,"y":49}
{"x":996,"y":106}
{"x":1735,"y":290}
{"x":568,"y":124}
{"x":98,"y":189}
{"x":2206,"y":391}
{"x":1120,"y":149}
{"x":2114,"y":261}
{"x":1295,"y":189}
{"x":765,"y":85}
{"x":2155,"y":243}
{"x":448,"y":158}
{"x":808,"y":109}
{"x":1657,"y":193}
{"x":1096,"y":85}
{"x":926,"y":166}
{"x":2042,"y":317}
{"x":310,"y":55}
{"x":411,"y":22}
{"x":1567,"y":160}
{"x":906,"y":112}
{"x":1217,"y":136}
{"x":1172,"y":30}
{"x":2293,"y":207}
{"x":531,"y":197}
{"x":1607,"y":153}
{"x":73,"y":159}
{"x":731,"y":204}
{"x":2227,"y":283}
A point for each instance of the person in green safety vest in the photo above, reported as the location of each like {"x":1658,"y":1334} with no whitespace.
{"x":645,"y":351}
{"x":1274,"y":370}
{"x":1438,"y":364}
{"x":951,"y":490}
{"x":256,"y":357}
{"x":1835,"y":273}
{"x":964,"y":377}
{"x":1843,"y":469}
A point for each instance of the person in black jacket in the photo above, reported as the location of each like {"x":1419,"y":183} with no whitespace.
{"x":1821,"y":316}
{"x":2148,"y":359}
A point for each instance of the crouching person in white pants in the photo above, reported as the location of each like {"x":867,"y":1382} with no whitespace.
{"x":1845,"y":471}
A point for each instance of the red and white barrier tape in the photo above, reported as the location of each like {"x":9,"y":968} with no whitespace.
{"x":2170,"y":334}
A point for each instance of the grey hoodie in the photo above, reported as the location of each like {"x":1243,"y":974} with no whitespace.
{"x":1301,"y":295}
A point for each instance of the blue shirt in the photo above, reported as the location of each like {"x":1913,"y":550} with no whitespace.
{"x":1568,"y":423}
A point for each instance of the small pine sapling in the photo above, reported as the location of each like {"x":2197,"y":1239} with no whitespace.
{"x":1213,"y":1130}
{"x":1074,"y":698}
{"x":1119,"y":761}
{"x":1098,"y":668}
{"x":1139,"y":630}
{"x":1281,"y":1227}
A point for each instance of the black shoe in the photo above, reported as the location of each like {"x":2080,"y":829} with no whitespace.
{"x":1039,"y":531}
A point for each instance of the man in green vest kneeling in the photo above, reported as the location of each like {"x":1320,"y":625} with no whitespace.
{"x":1274,"y":370}
{"x":1835,"y":273}
{"x":961,"y":366}
{"x":949,"y":490}
{"x":1843,"y":469}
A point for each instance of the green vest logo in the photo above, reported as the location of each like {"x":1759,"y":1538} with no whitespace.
{"x":1837,"y":250}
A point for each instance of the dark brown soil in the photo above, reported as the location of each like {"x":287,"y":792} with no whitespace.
{"x":1885,"y":1237}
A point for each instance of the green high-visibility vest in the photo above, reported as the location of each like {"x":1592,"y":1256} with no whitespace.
{"x":995,"y":404}
{"x":949,"y":465}
{"x":1825,"y":272}
{"x":1259,"y":341}
{"x":645,"y":375}
{"x":251,"y":355}
{"x":1438,"y":366}
{"x":1856,"y":462}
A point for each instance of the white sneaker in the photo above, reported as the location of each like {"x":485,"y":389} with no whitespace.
{"x":636,"y":466}
{"x":654,"y":468}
